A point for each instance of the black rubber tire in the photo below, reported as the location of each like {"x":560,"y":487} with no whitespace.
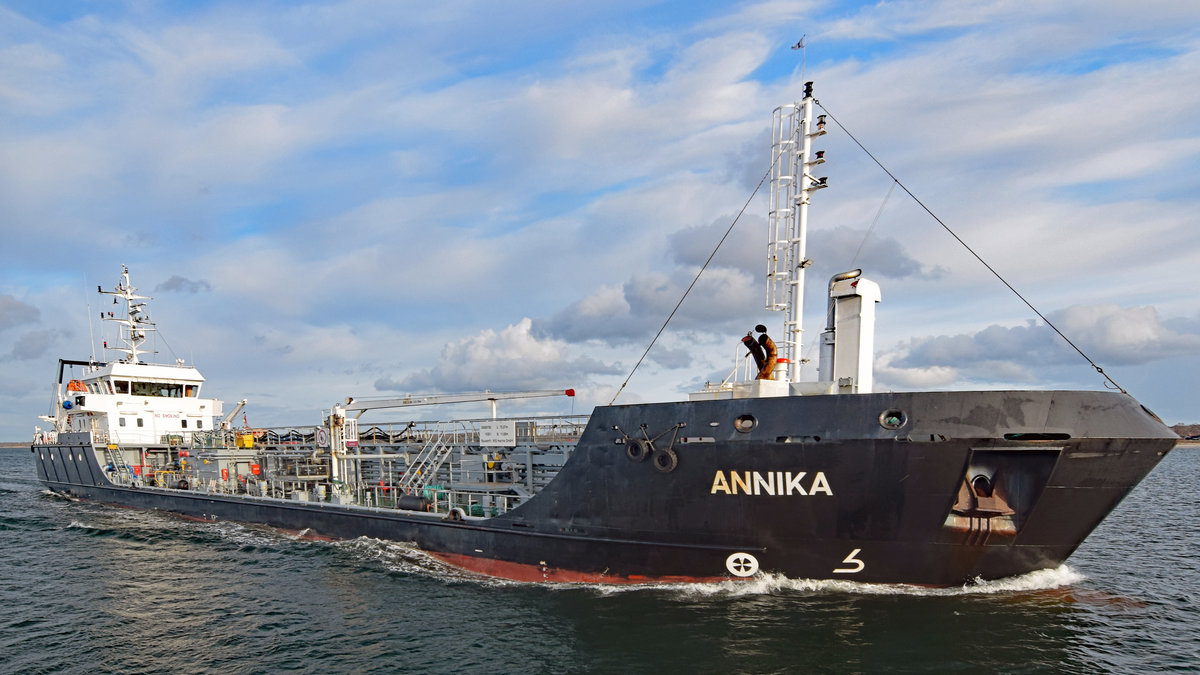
{"x":665,"y":460}
{"x":638,"y":449}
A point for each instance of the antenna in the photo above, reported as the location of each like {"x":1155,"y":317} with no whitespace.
{"x":91,"y":324}
{"x":803,"y":55}
{"x":136,"y":322}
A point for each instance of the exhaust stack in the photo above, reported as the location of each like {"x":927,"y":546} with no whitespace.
{"x":848,"y":343}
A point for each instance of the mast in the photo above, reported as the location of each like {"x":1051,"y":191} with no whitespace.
{"x":134,"y":324}
{"x":792,"y":183}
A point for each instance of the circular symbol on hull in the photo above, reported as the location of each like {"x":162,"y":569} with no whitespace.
{"x":742,"y":565}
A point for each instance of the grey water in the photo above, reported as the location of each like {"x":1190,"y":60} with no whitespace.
{"x":90,"y":588}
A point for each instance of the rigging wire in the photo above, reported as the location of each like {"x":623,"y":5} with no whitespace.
{"x":971,"y":250}
{"x":806,"y":357}
{"x":159,"y":336}
{"x":891,"y":188}
{"x":693,"y":284}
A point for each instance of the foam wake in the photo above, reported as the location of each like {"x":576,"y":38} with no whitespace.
{"x":407,"y":558}
{"x":773,"y":584}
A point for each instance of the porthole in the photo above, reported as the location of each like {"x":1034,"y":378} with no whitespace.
{"x":745,"y":423}
{"x":892,"y":419}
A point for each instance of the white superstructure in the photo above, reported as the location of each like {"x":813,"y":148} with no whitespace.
{"x":129,"y":401}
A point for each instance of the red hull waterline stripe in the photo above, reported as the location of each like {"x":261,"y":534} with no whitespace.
{"x":542,"y":573}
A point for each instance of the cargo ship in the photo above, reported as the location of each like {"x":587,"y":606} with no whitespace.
{"x":760,"y":474}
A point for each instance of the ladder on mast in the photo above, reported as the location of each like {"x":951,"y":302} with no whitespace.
{"x":792,"y":183}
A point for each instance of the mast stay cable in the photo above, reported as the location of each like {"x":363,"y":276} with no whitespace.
{"x":896,"y":181}
{"x":694,"y":280}
{"x":971,"y":250}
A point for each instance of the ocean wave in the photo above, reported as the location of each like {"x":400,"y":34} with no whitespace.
{"x":406,"y":558}
{"x":249,"y":537}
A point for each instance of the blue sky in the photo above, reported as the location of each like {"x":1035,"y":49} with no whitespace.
{"x":360,"y":198}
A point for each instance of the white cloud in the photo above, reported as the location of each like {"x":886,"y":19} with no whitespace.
{"x":1108,"y":333}
{"x":362,"y":185}
{"x":31,"y":345}
{"x":892,"y":20}
{"x":918,"y":378}
{"x":513,"y":358}
{"x":1125,"y":335}
{"x":183,"y":284}
{"x":27,"y":74}
{"x":721,"y":300}
{"x":13,"y":312}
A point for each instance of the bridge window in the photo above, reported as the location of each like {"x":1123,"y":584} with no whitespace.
{"x":121,"y":386}
{"x":165,"y":389}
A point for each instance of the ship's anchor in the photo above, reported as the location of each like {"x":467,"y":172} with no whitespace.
{"x":638,"y":449}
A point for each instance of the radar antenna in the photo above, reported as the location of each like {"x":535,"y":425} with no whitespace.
{"x":135,"y":323}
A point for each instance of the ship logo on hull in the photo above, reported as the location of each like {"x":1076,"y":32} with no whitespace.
{"x":742,"y":564}
{"x":774,"y":483}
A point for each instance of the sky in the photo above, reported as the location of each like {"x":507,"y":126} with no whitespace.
{"x":375,"y":198}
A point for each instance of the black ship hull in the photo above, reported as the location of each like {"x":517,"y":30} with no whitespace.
{"x":920,"y":488}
